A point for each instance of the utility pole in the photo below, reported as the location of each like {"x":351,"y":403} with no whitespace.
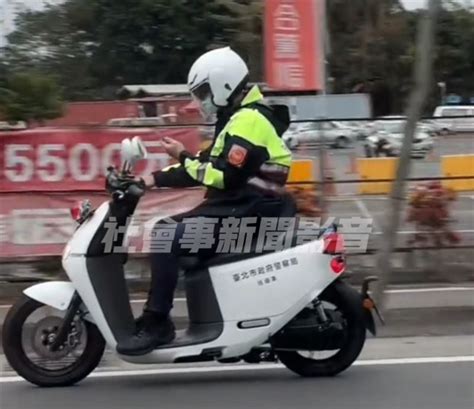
{"x":422,"y":77}
{"x":323,"y":115}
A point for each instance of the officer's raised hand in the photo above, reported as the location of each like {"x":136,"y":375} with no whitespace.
{"x":172,"y":147}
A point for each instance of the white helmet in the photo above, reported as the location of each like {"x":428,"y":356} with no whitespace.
{"x":216,"y":77}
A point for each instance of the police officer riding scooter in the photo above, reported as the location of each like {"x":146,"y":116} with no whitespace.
{"x":244,"y":170}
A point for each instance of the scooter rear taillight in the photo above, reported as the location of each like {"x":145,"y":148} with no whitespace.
{"x":338,"y":264}
{"x":333,"y":243}
{"x":81,"y":210}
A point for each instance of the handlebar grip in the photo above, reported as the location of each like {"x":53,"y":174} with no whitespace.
{"x":118,"y":195}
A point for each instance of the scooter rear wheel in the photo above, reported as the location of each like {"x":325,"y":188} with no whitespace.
{"x":349,"y":303}
{"x":27,"y":345}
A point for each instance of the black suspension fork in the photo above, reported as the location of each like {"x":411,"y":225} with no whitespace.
{"x":65,"y":327}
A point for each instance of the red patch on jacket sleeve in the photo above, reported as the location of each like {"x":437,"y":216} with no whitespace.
{"x":237,"y":155}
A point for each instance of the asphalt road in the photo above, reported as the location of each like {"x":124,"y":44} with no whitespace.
{"x":399,"y":386}
{"x":396,"y":373}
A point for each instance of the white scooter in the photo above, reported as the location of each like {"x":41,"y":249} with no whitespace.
{"x":290,"y":305}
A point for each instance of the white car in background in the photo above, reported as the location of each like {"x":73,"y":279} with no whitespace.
{"x":143,"y":122}
{"x":333,"y":133}
{"x":362,"y":129}
{"x":448,"y":123}
{"x":434,"y":128}
{"x":388,"y":139}
{"x":13,"y":125}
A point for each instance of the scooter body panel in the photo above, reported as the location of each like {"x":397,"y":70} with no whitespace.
{"x":80,"y":241}
{"x":271,"y":304}
{"x":76,"y":268}
{"x":256,"y":296}
{"x":74,"y":262}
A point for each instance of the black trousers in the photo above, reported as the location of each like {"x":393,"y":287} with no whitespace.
{"x":171,"y":240}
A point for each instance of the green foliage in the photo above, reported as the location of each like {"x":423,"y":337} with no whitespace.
{"x":241,"y":22}
{"x":371,"y":50}
{"x":455,"y":50}
{"x":29,"y":97}
{"x":95,"y":46}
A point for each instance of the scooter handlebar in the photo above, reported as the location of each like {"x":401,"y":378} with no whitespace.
{"x":120,"y":185}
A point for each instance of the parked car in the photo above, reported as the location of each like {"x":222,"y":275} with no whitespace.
{"x":334,"y":134}
{"x":12,"y":125}
{"x":388,"y":139}
{"x":434,"y":128}
{"x":362,"y":129}
{"x":142,"y":122}
{"x":451,"y":125}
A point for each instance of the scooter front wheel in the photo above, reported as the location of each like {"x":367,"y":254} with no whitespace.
{"x":29,"y":331}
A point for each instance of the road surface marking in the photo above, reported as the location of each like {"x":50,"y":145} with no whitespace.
{"x":257,"y":367}
{"x":428,"y":290}
{"x":365,"y":212}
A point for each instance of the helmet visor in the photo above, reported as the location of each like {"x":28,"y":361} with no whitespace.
{"x":202,"y":92}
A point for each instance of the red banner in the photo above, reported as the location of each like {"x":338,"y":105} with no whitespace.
{"x":40,"y":224}
{"x":293,"y":47}
{"x":76,"y":159}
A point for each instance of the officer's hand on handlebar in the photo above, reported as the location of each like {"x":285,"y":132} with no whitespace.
{"x":123,"y":183}
{"x":149,"y":181}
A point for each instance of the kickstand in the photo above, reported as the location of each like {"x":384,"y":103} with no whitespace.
{"x":365,"y":295}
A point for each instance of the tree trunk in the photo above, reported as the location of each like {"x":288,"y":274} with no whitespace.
{"x":422,"y":79}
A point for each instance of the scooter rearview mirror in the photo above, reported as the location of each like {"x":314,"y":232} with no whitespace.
{"x":126,"y":154}
{"x":139,"y":149}
{"x":131,"y":152}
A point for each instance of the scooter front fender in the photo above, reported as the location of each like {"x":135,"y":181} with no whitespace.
{"x":56,"y":294}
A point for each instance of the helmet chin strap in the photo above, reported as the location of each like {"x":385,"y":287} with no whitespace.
{"x":234,"y":103}
{"x":238,"y":94}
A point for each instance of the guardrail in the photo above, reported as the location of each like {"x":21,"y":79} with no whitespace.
{"x":343,"y":181}
{"x":295,"y":121}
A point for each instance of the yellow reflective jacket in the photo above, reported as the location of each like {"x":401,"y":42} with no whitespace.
{"x":247,"y":151}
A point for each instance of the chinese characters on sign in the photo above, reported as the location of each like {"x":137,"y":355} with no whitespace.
{"x":293,"y":53}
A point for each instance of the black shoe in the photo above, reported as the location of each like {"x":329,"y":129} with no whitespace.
{"x":147,"y":338}
{"x":149,"y":319}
